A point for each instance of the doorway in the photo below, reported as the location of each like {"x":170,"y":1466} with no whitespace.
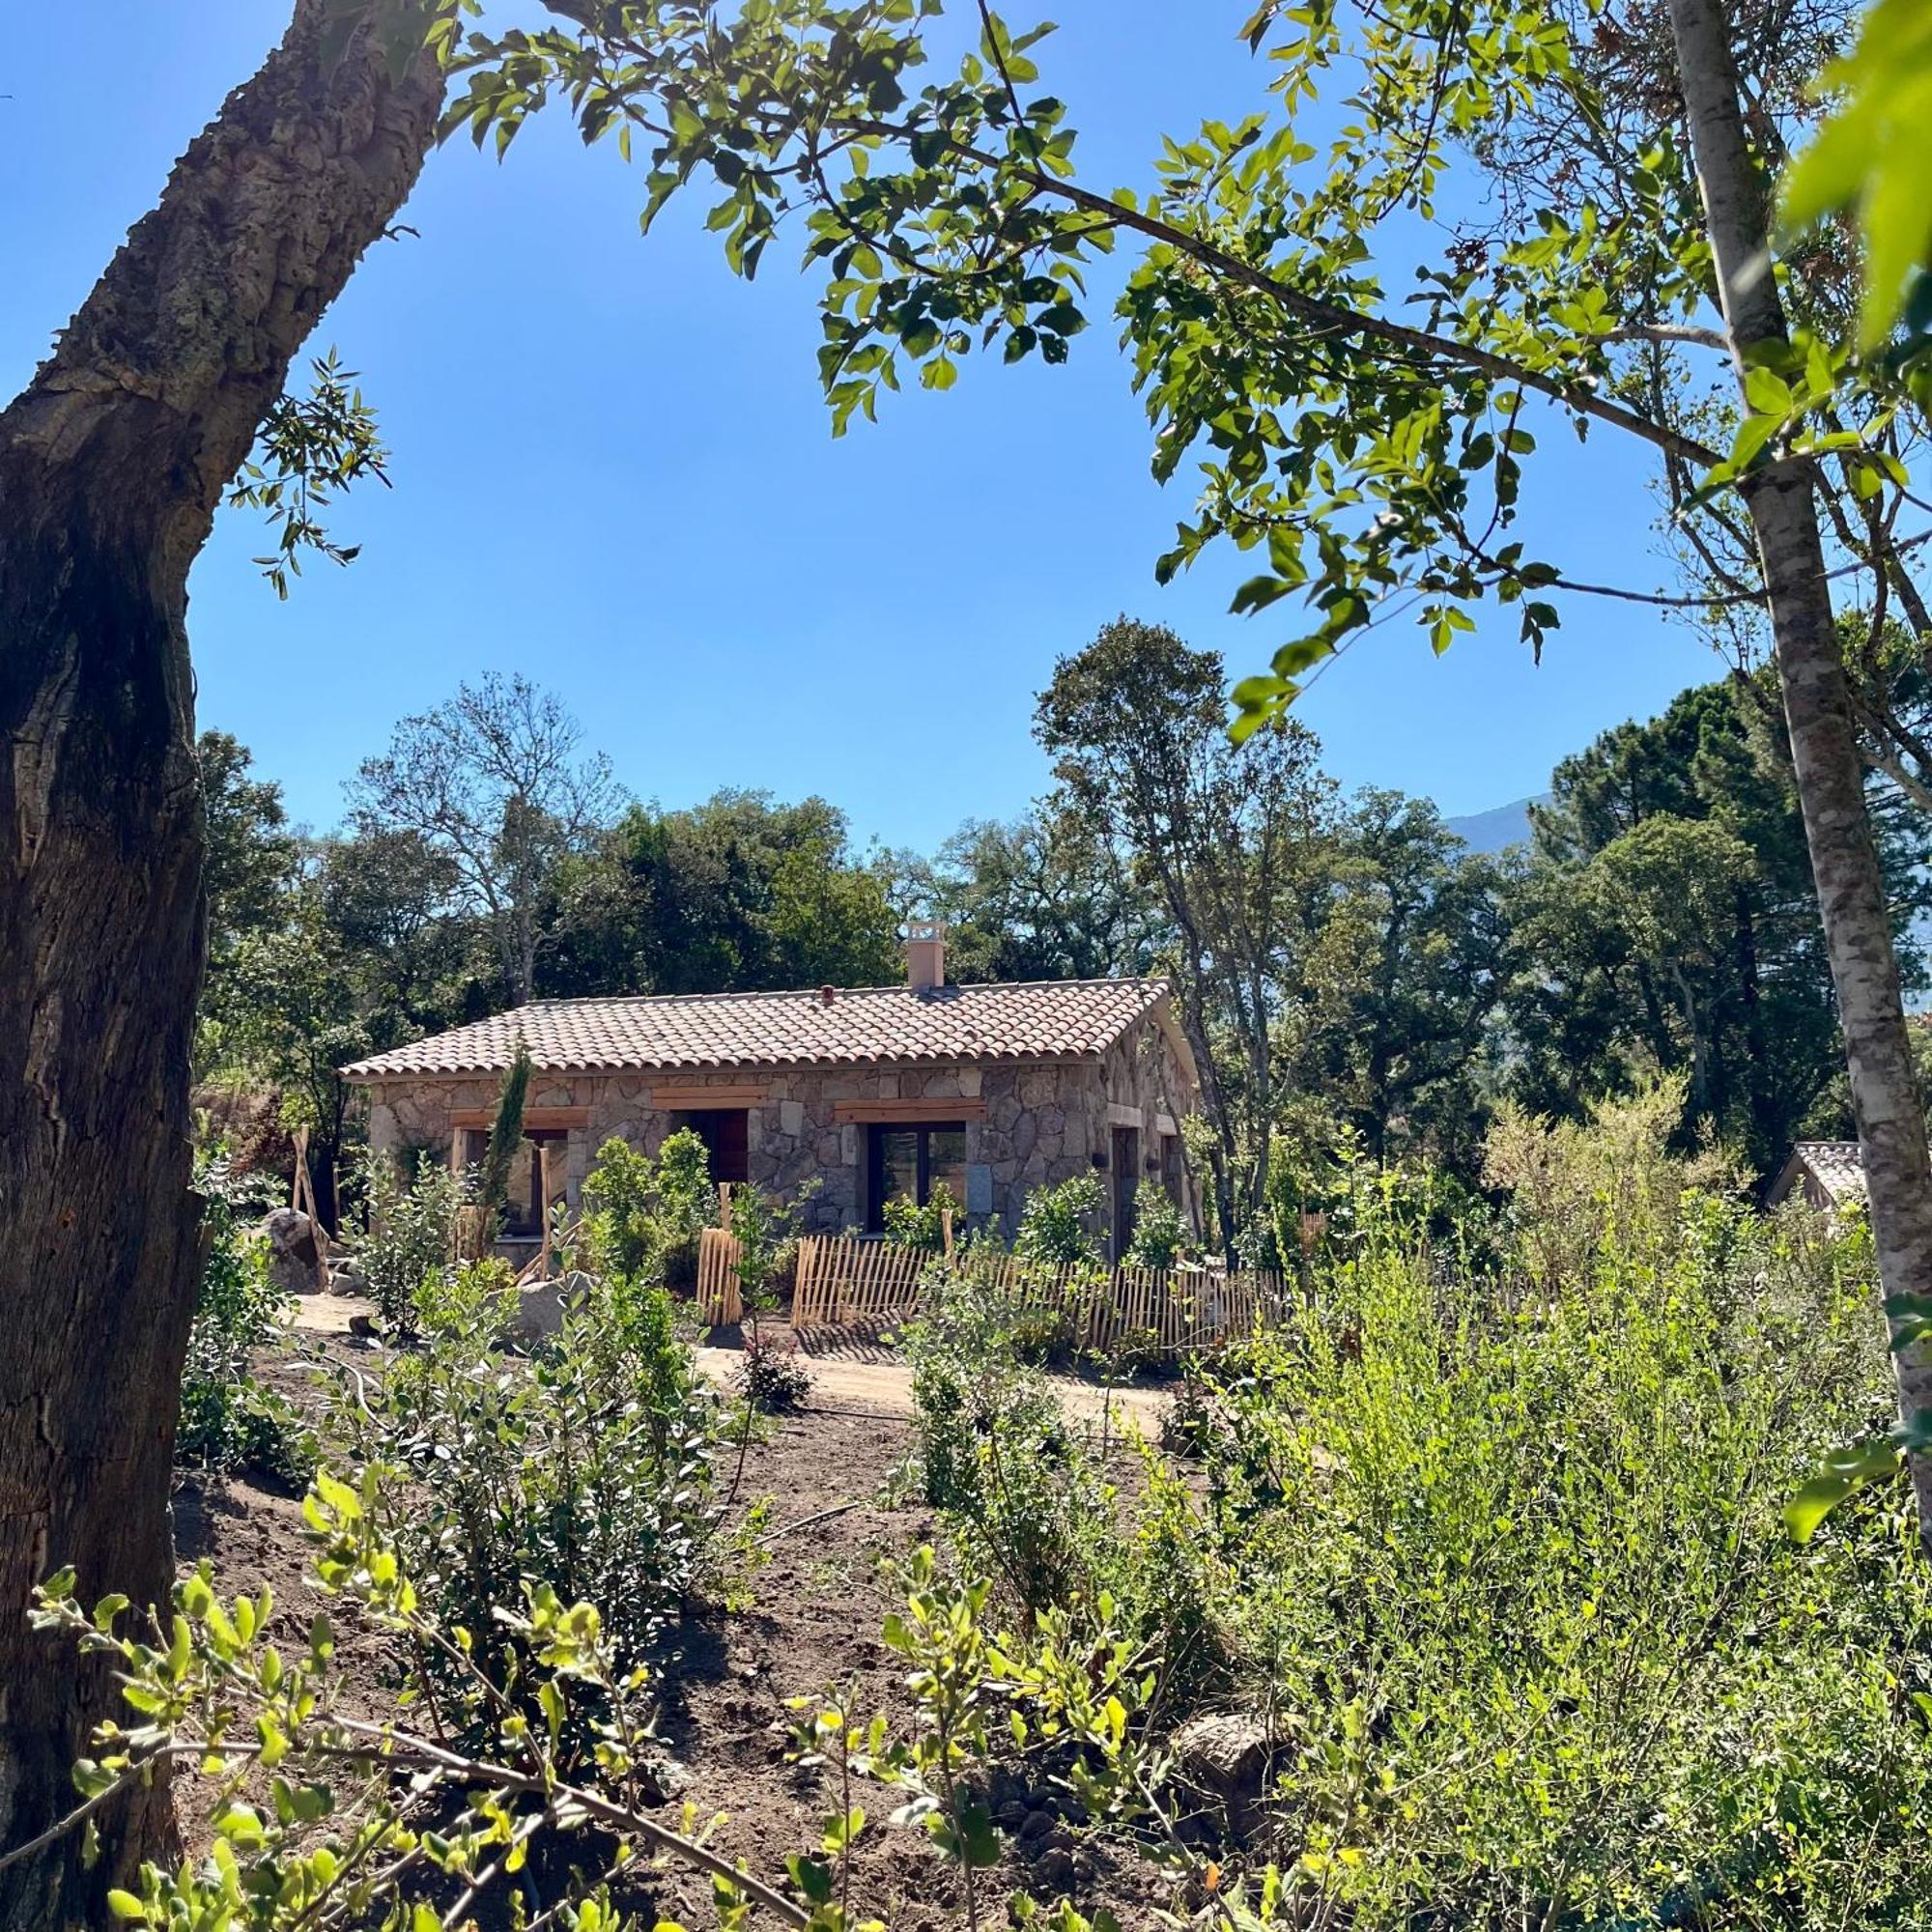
{"x":1125,"y":1169}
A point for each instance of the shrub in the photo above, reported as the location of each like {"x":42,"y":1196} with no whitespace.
{"x":1057,"y":1224}
{"x":229,"y":1419}
{"x":1160,"y":1233}
{"x":587,"y":1469}
{"x":619,"y":1230}
{"x":686,"y":1203}
{"x":994,"y":1449}
{"x":411,"y":1235}
{"x":1515,"y":1571}
{"x":647,"y":1216}
{"x":772,"y":1376}
{"x":911,"y":1226}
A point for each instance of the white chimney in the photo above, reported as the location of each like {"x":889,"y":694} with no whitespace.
{"x":925,"y":954}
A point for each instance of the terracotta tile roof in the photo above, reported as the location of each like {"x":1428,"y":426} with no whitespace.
{"x":1837,"y":1167}
{"x":1049,"y":1019}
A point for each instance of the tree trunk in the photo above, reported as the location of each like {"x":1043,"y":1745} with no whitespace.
{"x":111,"y":464}
{"x":1818,"y":711}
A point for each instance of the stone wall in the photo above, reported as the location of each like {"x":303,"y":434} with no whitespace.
{"x":1043,"y":1122}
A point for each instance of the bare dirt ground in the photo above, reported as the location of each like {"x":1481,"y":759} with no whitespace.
{"x":818,"y":1600}
{"x":846,"y":1373}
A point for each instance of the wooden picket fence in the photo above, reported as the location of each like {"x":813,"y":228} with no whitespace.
{"x":719,"y":1302}
{"x":845,"y":1281}
{"x":848,"y":1282}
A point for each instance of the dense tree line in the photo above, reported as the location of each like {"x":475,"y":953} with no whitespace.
{"x":1350,"y":973}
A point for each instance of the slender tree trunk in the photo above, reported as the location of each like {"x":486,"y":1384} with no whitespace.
{"x":111,"y":464}
{"x":1818,"y":711}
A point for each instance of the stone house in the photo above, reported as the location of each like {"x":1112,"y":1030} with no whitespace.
{"x":872,"y":1092}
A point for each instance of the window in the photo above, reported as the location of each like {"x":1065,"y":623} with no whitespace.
{"x":1169,"y":1166}
{"x":521,"y":1218}
{"x":913,"y":1161}
{"x":726,"y":1134}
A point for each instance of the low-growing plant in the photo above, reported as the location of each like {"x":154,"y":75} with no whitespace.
{"x":1161,"y":1230}
{"x":229,"y":1417}
{"x":908,"y":1224}
{"x":772,"y":1376}
{"x":411,"y":1235}
{"x":994,"y":1449}
{"x":322,"y":1821}
{"x":586,"y":1469}
{"x":1066,"y":1692}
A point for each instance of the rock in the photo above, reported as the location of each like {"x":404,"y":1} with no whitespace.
{"x":349,"y":1279}
{"x":295,"y":1252}
{"x":539,"y":1310}
{"x":1036,"y":1827}
{"x":1226,"y":1758}
{"x":665,"y":1778}
{"x":1054,"y":1870}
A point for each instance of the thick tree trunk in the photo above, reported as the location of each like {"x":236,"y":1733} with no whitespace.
{"x":111,"y":464}
{"x":1818,"y":711}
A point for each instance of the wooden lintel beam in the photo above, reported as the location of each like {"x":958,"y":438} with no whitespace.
{"x":877,"y":1112}
{"x":696,"y":1099}
{"x":544,"y":1119}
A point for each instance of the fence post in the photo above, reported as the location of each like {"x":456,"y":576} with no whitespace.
{"x":543,"y":1209}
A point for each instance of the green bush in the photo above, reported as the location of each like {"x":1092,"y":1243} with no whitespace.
{"x":1056,"y":1223}
{"x":229,"y":1418}
{"x":1160,"y":1233}
{"x":1504,"y":1556}
{"x":687,"y":1204}
{"x":645,"y":1216}
{"x":587,"y":1468}
{"x":772,"y":1376}
{"x":911,"y":1226}
{"x":411,"y":1235}
{"x":994,"y":1451}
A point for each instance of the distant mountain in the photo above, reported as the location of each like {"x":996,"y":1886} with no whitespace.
{"x":1499,"y":828}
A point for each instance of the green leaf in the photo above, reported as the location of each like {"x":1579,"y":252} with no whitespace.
{"x":814,"y":1877}
{"x":1869,"y":156}
{"x":1768,"y":392}
{"x":1814,"y":1503}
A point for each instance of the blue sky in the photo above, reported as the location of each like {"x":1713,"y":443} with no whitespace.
{"x":613,"y":472}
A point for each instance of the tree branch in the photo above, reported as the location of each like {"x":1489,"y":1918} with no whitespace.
{"x":1329,"y":316}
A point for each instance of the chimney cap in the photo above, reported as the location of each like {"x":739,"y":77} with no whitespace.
{"x":925,"y":954}
{"x":827,"y":994}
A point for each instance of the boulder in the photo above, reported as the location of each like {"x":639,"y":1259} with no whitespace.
{"x":347,"y":1278}
{"x":295,"y":1252}
{"x":539,"y":1311}
{"x":1225,"y":1758}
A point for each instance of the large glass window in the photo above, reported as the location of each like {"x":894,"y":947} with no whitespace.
{"x":912,"y":1161}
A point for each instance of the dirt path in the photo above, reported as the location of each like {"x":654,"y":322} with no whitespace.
{"x":864,"y":1376}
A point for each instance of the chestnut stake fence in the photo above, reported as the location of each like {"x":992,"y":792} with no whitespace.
{"x":846,"y":1282}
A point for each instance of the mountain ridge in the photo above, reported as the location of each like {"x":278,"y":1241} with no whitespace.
{"x":1497,"y":829}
